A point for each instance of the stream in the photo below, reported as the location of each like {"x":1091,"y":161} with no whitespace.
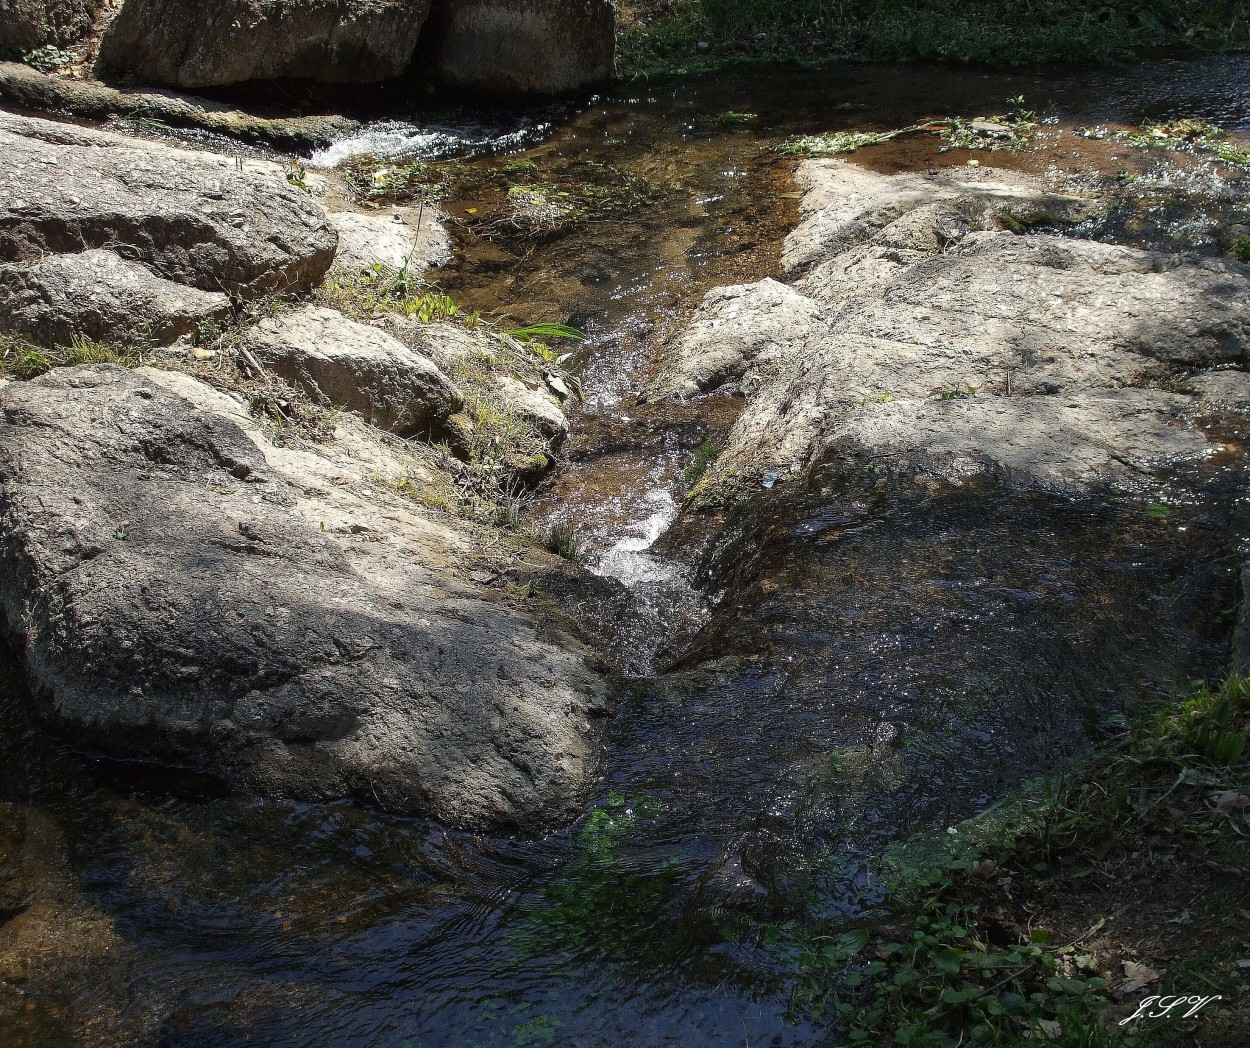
{"x":831,"y":667}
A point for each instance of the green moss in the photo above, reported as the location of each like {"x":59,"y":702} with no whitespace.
{"x":369,"y":294}
{"x":390,"y":180}
{"x":596,"y":901}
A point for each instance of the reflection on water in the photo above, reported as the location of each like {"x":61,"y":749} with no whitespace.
{"x":881,"y":658}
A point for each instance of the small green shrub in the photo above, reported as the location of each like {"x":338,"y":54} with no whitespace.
{"x":562,"y":541}
{"x":1242,"y":249}
{"x":47,"y":59}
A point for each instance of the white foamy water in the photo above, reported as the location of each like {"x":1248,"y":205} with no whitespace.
{"x":628,"y":560}
{"x":398,"y":139}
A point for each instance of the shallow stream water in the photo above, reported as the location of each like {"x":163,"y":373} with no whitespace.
{"x":839,"y":664}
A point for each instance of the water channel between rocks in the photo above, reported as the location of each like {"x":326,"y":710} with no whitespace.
{"x":861,"y":661}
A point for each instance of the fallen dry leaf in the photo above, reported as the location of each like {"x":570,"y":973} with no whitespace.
{"x":1137,"y":977}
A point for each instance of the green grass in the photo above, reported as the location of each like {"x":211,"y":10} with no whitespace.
{"x":22,"y":361}
{"x":369,"y":294}
{"x":665,"y":35}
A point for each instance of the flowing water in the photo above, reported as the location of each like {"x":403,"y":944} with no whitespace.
{"x":836,"y":665}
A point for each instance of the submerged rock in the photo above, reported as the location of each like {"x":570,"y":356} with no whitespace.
{"x":922,"y":338}
{"x":196,"y":219}
{"x":187,"y":592}
{"x":210,"y":43}
{"x":522,"y":47}
{"x":354,"y":366}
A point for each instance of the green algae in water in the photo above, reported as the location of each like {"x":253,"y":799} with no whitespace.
{"x":595,"y":901}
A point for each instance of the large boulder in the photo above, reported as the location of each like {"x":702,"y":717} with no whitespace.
{"x":924,"y":332}
{"x":522,"y":47}
{"x":29,"y":24}
{"x":101,"y":296}
{"x":185,"y":591}
{"x":354,"y":366}
{"x":197,"y":219}
{"x":208,"y":43}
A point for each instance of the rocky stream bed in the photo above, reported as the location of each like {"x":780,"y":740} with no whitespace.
{"x":381,"y":675}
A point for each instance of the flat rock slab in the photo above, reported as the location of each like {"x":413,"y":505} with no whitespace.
{"x":405,"y":239}
{"x":186,"y":592}
{"x":101,"y":296}
{"x":1064,"y":444}
{"x":207,"y":43}
{"x":354,"y":366}
{"x":192,"y":218}
{"x":914,"y":322}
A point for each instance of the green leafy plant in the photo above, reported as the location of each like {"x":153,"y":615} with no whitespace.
{"x":47,"y":59}
{"x":1242,"y":249}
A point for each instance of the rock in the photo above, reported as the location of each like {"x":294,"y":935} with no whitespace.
{"x":29,"y":24}
{"x":186,"y":592}
{"x":91,"y":100}
{"x":210,"y":43}
{"x":536,"y":407}
{"x":1223,"y":390}
{"x":101,"y":296}
{"x":522,"y":47}
{"x":452,"y":346}
{"x":1063,"y":444}
{"x":192,"y":218}
{"x":354,"y":366}
{"x":411,"y":239}
{"x":919,"y":336}
{"x":845,"y":205}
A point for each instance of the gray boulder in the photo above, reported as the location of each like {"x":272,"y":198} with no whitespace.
{"x":193,"y":218}
{"x":186,"y":592}
{"x":916,"y":332}
{"x":29,"y":24}
{"x":522,"y":47}
{"x":207,"y":43}
{"x":354,"y":366}
{"x":101,"y":296}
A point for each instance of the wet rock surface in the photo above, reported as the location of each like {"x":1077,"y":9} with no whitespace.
{"x":205,"y":43}
{"x":23,"y":86}
{"x":185,"y":591}
{"x":191,"y":218}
